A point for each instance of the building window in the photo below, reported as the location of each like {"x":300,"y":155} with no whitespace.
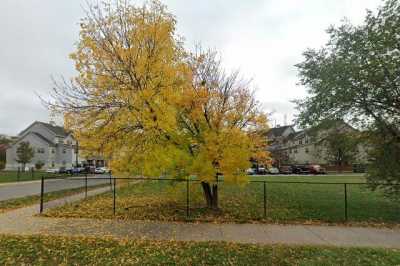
{"x":52,"y":164}
{"x":40,"y":150}
{"x":307,"y":141}
{"x":307,"y":151}
{"x":64,"y":151}
{"x":53,"y":151}
{"x":300,"y":142}
{"x":295,"y":150}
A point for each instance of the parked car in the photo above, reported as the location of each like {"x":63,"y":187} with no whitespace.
{"x":62,"y":170}
{"x":52,"y":170}
{"x":251,"y":171}
{"x":80,"y":169}
{"x":101,"y":170}
{"x":301,"y":169}
{"x":316,"y":169}
{"x":74,"y":170}
{"x":359,"y":168}
{"x":286,"y":170}
{"x":273,"y":170}
{"x":69,"y":170}
{"x":261,"y":171}
{"x":89,"y":169}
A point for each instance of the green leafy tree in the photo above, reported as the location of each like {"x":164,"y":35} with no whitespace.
{"x":340,"y":148}
{"x":280,"y":157}
{"x":356,"y":77}
{"x":384,"y":171}
{"x":4,"y":141}
{"x":25,"y":153}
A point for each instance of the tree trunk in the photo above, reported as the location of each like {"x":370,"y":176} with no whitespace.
{"x":210,"y":194}
{"x":215,"y":196}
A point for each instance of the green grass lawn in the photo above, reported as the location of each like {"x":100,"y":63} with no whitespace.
{"x":286,"y":203}
{"x":12,"y":176}
{"x":46,"y":250}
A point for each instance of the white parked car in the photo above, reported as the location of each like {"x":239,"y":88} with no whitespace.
{"x":273,"y":170}
{"x":251,"y":171}
{"x":52,"y":170}
{"x":101,"y":170}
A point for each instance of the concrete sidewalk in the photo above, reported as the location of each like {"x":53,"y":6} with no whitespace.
{"x":23,"y":222}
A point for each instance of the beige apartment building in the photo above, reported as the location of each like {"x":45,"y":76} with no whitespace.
{"x":288,"y":146}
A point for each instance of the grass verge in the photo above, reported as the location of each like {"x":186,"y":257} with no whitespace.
{"x":14,"y":176}
{"x":286,"y":203}
{"x":47,"y":250}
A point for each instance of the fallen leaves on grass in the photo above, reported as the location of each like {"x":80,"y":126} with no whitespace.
{"x":50,"y":250}
{"x":285,"y":203}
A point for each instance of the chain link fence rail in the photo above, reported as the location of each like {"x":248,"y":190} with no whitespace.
{"x":255,"y":200}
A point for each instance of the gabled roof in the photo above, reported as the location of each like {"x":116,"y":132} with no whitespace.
{"x":296,"y":134}
{"x":43,"y":138}
{"x":57,"y":130}
{"x":278,"y":131}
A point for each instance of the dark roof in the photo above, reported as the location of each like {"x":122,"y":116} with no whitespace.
{"x":43,"y":138}
{"x":295,"y":134}
{"x":59,"y":131}
{"x":278,"y":131}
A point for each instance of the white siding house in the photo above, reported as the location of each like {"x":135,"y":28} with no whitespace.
{"x":53,"y":146}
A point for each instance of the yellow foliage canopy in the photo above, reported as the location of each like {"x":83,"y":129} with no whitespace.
{"x":153,"y":108}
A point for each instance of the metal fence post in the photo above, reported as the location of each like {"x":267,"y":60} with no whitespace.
{"x":86,"y":181}
{"x":265,"y":200}
{"x":109,"y":174}
{"x":41,"y":194}
{"x":187,"y":199}
{"x":114,"y":196}
{"x":345,"y":202}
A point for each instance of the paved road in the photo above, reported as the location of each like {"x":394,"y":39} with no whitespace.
{"x":23,"y":189}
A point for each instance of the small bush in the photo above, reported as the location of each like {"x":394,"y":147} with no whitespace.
{"x":39,"y":165}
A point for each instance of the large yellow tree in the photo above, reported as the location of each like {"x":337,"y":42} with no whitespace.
{"x":155,"y":109}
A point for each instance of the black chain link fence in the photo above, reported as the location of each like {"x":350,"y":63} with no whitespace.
{"x":177,"y":199}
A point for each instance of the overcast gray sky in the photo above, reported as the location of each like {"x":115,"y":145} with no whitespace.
{"x":262,"y":38}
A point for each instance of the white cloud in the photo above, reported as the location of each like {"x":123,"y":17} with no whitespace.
{"x":263,"y":38}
